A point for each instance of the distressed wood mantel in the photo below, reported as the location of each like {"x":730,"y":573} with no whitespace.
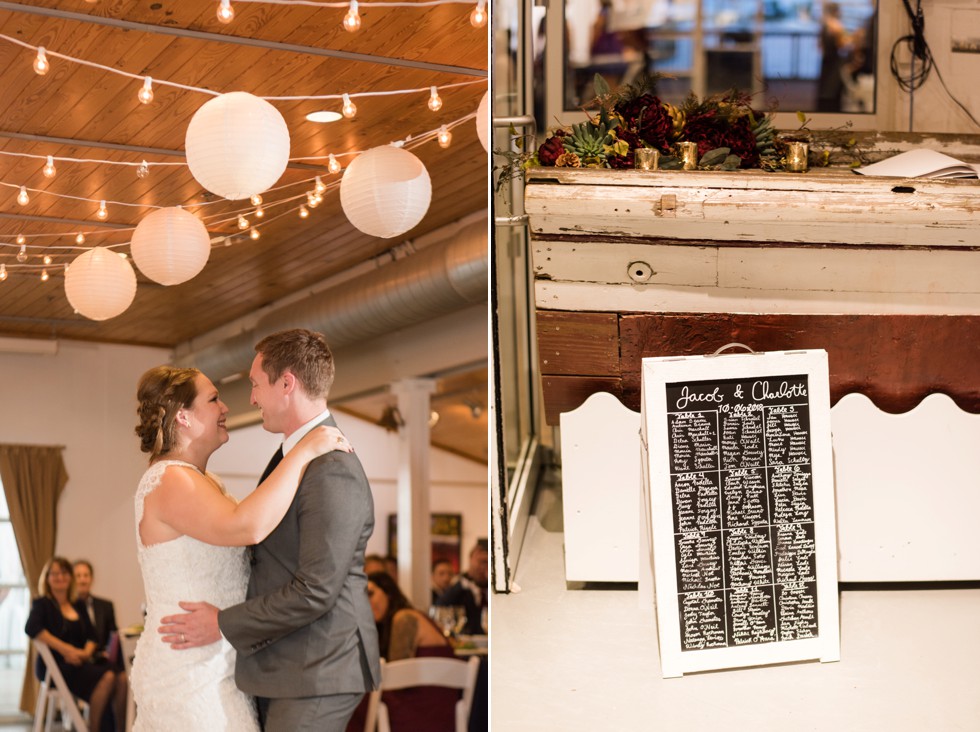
{"x":883,"y":273}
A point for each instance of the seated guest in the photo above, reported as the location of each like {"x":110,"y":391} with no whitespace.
{"x":391,"y":566}
{"x":470,"y":590}
{"x":404,"y":632}
{"x":374,"y":563}
{"x":58,"y":619}
{"x":100,"y":611}
{"x":442,"y":578}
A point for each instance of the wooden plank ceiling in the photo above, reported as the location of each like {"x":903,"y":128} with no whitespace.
{"x":83,"y":113}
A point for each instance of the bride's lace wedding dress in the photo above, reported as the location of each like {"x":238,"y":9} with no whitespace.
{"x":193,"y":689}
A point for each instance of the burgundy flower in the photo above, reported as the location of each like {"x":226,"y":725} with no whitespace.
{"x":550,"y":150}
{"x":711,"y":131}
{"x":620,"y":161}
{"x":647,"y":121}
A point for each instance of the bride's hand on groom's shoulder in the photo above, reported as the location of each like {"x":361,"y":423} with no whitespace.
{"x":192,"y":629}
{"x":323,"y":439}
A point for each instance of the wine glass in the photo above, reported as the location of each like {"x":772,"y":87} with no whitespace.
{"x":444,"y":617}
{"x":460,"y":618}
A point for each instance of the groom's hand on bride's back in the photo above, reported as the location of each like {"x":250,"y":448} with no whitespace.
{"x":197,"y":627}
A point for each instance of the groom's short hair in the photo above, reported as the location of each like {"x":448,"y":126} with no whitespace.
{"x":304,"y":353}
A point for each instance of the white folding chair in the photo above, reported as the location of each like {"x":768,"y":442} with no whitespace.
{"x":448,"y":672}
{"x":54,"y":692}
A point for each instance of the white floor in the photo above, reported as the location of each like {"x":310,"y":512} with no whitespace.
{"x":573,"y":659}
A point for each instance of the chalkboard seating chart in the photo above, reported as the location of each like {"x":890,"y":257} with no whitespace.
{"x":743,"y":511}
{"x":737,"y":552}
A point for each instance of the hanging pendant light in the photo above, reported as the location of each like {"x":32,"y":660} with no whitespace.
{"x":100,"y":284}
{"x":237,"y":145}
{"x":385,"y":191}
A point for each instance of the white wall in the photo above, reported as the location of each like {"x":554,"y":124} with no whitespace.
{"x":84,"y":398}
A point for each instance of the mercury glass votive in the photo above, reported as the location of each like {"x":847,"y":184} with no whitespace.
{"x":646,"y":158}
{"x":689,"y":154}
{"x":796,"y":156}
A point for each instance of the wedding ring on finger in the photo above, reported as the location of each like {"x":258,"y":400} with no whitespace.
{"x":181,"y":637}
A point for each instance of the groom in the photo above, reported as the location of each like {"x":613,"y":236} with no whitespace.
{"x":306,"y":640}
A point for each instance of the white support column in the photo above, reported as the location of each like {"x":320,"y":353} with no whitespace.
{"x":414,"y":522}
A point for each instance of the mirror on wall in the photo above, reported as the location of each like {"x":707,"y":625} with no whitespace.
{"x":799,"y":55}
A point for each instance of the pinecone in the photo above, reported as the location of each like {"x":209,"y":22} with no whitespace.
{"x":568,"y":160}
{"x":677,"y":118}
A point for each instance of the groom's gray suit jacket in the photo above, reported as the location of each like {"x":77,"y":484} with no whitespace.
{"x":306,"y":627}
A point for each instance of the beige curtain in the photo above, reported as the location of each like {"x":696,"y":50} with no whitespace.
{"x":33,"y":478}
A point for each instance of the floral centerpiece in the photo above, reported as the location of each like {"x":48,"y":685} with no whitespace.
{"x":729,"y":134}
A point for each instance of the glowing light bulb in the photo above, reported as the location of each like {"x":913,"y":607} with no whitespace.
{"x":80,"y":239}
{"x":352,"y":21}
{"x":312,"y":200}
{"x":242,"y":222}
{"x":143,"y":170}
{"x":41,"y":65}
{"x":256,"y":199}
{"x":145,"y":94}
{"x":122,"y":255}
{"x":259,"y":212}
{"x":349,"y":109}
{"x":333,"y":166}
{"x":445,"y":137}
{"x":49,"y":170}
{"x":22,"y":198}
{"x":254,"y":234}
{"x":21,"y":239}
{"x":44,"y":275}
{"x":3,"y":272}
{"x":22,"y":254}
{"x":435,"y":101}
{"x":303,"y":212}
{"x":478,"y":18}
{"x":47,"y":259}
{"x":102,"y":214}
{"x":318,"y":185}
{"x":226,"y":13}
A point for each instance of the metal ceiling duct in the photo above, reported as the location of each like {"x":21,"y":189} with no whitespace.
{"x":444,"y":277}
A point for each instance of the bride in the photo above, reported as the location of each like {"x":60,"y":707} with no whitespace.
{"x":191,"y":542}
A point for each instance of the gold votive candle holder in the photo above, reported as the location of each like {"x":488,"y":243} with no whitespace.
{"x":796,"y":156}
{"x":689,"y":154}
{"x":646,"y":158}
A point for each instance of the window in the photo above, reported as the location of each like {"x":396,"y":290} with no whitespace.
{"x":15,"y":602}
{"x":803,"y":55}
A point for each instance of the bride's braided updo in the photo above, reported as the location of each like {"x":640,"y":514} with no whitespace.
{"x":162,"y":391}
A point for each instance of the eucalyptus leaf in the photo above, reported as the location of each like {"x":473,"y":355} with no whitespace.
{"x":715,"y":157}
{"x":732,"y":162}
{"x":601,"y":85}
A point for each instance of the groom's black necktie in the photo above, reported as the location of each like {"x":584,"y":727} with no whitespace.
{"x":276,"y":459}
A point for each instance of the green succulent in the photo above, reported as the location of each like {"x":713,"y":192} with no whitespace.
{"x":588,"y":141}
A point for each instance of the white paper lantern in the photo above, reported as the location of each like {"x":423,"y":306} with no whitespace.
{"x":237,"y":145}
{"x":171,"y":246}
{"x":385,"y":191}
{"x":482,"y":120}
{"x":100,"y":284}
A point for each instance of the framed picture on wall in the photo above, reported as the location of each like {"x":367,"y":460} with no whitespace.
{"x":447,"y":535}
